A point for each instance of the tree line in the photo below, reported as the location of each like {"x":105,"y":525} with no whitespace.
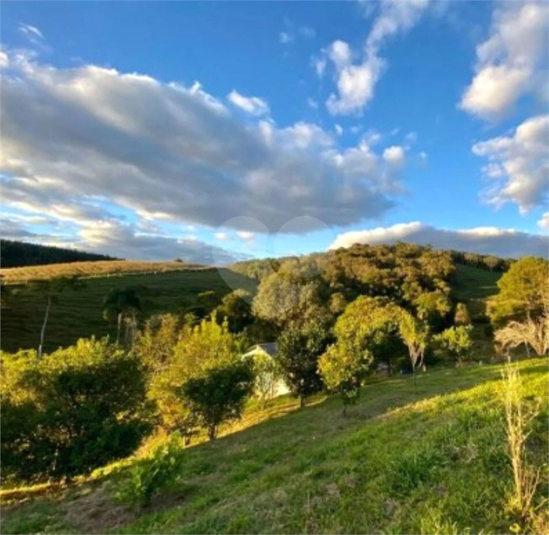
{"x":18,"y":254}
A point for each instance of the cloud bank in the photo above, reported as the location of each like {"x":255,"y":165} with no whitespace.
{"x":78,"y":137}
{"x":483,"y":240}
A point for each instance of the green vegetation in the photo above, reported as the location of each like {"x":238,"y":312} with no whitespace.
{"x":79,"y":313}
{"x":71,"y":411}
{"x":16,"y":253}
{"x":341,"y":320}
{"x":426,"y":459}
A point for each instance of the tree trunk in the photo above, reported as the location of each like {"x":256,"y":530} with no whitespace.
{"x":301,"y":401}
{"x":212,"y":432}
{"x":43,"y":330}
{"x":119,"y":326}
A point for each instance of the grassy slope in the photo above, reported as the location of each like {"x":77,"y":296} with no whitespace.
{"x":79,"y":313}
{"x":425,"y":459}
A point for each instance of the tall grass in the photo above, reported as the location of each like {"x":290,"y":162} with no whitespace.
{"x":519,"y":414}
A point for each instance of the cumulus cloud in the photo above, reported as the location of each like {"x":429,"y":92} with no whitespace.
{"x":123,"y":241}
{"x":394,"y":155}
{"x":510,"y":62}
{"x":356,"y":81}
{"x":483,"y":240}
{"x":77,"y":139}
{"x":544,"y":221}
{"x":518,"y":165}
{"x":253,"y":105}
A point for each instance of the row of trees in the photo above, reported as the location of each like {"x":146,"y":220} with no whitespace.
{"x":16,"y":254}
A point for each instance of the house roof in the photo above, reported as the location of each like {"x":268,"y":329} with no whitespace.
{"x":269,"y":348}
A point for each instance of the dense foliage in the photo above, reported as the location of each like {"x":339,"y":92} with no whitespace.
{"x":16,"y":253}
{"x":71,"y":411}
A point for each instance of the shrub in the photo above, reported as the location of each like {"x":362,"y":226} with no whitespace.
{"x":71,"y":411}
{"x":151,"y":475}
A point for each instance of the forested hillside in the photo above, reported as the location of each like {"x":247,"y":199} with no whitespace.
{"x":16,"y":253}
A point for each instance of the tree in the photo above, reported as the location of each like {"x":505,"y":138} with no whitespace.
{"x":236,"y":307}
{"x":433,"y":307}
{"x":344,"y":369}
{"x":298,"y":349}
{"x":457,"y":341}
{"x":123,"y":304}
{"x":191,"y":352}
{"x":415,"y":334}
{"x":365,"y":325}
{"x":51,"y":289}
{"x":71,"y":411}
{"x":531,"y":333}
{"x":462,"y":316}
{"x":523,"y":292}
{"x":219,"y":395}
{"x":284,"y":295}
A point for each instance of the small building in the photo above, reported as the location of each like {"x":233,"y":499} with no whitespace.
{"x":269,"y":383}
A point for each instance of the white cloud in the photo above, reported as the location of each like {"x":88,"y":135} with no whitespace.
{"x":223,"y":236}
{"x":253,"y":105}
{"x":356,"y":82}
{"x":30,"y":31}
{"x":482,"y":240}
{"x":75,"y":138}
{"x":285,"y":38}
{"x":544,"y":221}
{"x":246,"y":235}
{"x":338,"y":129}
{"x":518,"y":165}
{"x":394,"y":155}
{"x":4,"y":60}
{"x":340,"y":53}
{"x":509,"y":62}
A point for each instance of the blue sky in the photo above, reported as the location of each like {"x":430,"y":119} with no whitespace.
{"x":228,"y":129}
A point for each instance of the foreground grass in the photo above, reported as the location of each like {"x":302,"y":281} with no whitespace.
{"x":79,"y":314}
{"x":424,"y":459}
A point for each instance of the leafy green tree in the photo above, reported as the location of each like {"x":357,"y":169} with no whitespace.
{"x":283,"y":296}
{"x":219,"y":396}
{"x":123,"y":304}
{"x":359,"y":331}
{"x":236,"y":307}
{"x":344,"y":369}
{"x":523,"y":292}
{"x":191,"y":351}
{"x":457,"y":341}
{"x":50,"y":290}
{"x":79,"y":408}
{"x":433,"y":307}
{"x":298,"y":349}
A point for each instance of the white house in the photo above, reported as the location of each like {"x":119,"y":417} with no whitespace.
{"x":269,"y":383}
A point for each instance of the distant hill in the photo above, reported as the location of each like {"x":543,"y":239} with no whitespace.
{"x":17,"y":254}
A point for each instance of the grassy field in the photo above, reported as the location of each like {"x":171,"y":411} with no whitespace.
{"x":474,"y":283}
{"x":79,"y":313}
{"x":102,"y":268}
{"x":427,"y":459}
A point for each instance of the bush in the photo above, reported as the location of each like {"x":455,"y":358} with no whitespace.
{"x":149,"y":476}
{"x":219,"y":395}
{"x":71,"y":411}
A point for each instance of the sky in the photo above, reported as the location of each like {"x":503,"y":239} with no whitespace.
{"x":219,"y":131}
